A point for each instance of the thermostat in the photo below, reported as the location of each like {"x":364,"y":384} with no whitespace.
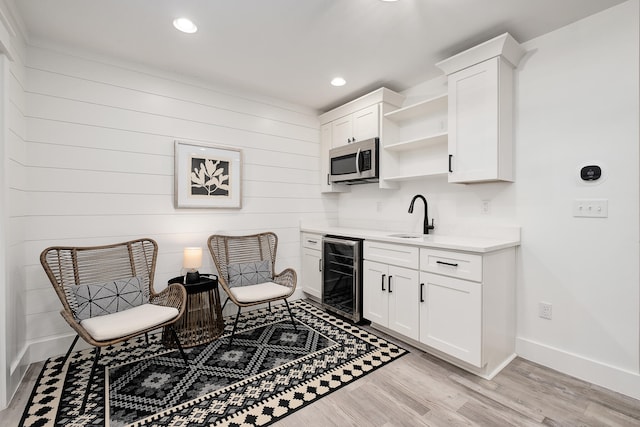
{"x":590,"y":173}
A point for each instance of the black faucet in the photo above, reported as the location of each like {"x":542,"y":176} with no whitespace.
{"x":427,"y":227}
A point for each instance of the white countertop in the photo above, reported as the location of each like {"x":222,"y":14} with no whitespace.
{"x":459,"y":243}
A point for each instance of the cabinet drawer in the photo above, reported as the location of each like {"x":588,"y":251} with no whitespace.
{"x":400,"y":255}
{"x":454,"y":264}
{"x":312,"y":241}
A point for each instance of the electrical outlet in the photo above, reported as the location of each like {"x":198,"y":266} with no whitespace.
{"x":485,"y":207}
{"x":545,"y":310}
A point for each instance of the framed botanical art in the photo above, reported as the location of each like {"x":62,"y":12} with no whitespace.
{"x":207,"y":176}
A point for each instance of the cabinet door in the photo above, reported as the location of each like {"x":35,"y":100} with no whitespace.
{"x":375,"y":299}
{"x":473,"y":122}
{"x":325,"y":146}
{"x":403,"y":290}
{"x":311,"y":272}
{"x":342,"y":131}
{"x":366,"y":123}
{"x":451,"y":316}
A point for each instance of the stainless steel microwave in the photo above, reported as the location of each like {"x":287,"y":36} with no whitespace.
{"x":355,"y":163}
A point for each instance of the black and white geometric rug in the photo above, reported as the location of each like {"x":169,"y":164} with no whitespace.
{"x":270,"y":371}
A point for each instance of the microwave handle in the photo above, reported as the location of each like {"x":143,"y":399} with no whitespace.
{"x":358,"y":162}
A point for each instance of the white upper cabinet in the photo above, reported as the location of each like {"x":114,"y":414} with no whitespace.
{"x":361,"y":125}
{"x":354,"y":121}
{"x":366,"y":123}
{"x":480,"y":111}
{"x":480,"y":131}
{"x":342,"y":131}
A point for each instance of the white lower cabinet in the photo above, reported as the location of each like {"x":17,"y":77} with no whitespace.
{"x":375,"y":297}
{"x":390,"y":287}
{"x":451,"y":316}
{"x":312,"y":265}
{"x":457,"y":305}
{"x":390,"y":297}
{"x":467,"y":307}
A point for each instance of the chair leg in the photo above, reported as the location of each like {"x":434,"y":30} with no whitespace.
{"x":291,"y":314}
{"x":225,"y":303}
{"x":177,"y":340}
{"x":146,"y":338}
{"x":234,"y":326}
{"x":269,"y":306}
{"x":66,"y":356}
{"x":90,"y":382}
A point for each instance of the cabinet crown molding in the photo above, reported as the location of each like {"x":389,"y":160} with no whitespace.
{"x":504,"y":45}
{"x":377,"y":96}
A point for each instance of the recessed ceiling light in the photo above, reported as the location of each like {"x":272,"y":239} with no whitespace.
{"x":185,"y":25}
{"x":338,"y":81}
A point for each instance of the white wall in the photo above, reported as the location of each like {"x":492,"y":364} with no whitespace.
{"x":100,"y":166}
{"x":576,"y":103}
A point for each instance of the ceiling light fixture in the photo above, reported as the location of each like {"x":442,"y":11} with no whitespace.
{"x":338,"y":81}
{"x":185,"y":25}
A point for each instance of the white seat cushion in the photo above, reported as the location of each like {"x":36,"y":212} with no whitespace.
{"x":136,"y":319}
{"x":259,"y":292}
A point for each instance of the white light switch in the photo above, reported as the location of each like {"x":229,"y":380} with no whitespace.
{"x":591,"y":208}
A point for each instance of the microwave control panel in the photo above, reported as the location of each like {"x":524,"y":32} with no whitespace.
{"x":366,"y":160}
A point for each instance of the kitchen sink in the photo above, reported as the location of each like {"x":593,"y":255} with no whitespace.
{"x":406,"y":236}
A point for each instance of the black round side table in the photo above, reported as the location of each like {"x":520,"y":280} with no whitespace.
{"x":202,"y":320}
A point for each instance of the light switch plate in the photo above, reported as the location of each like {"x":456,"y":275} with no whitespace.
{"x":591,"y":208}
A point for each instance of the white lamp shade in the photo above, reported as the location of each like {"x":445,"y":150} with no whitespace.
{"x":192,"y":258}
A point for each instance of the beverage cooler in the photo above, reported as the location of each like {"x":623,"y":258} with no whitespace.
{"x":342,"y":276}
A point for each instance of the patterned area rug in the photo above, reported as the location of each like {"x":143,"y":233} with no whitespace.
{"x":270,"y":371}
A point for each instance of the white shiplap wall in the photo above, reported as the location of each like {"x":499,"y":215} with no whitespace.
{"x":100,"y":138}
{"x":15,"y":190}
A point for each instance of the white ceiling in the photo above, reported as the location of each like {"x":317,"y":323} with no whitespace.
{"x":291,"y":49}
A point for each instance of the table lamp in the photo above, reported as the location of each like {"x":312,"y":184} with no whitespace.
{"x":191,"y":261}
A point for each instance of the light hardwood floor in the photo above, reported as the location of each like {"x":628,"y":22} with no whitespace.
{"x":421,"y":390}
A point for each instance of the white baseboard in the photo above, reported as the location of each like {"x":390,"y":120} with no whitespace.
{"x":20,"y":361}
{"x":611,"y":377}
{"x":42,"y":349}
{"x":15,"y":375}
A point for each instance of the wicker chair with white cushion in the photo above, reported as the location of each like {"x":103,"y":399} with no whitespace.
{"x":107,"y":294}
{"x":246,"y":271}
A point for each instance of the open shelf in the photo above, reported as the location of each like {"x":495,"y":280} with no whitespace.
{"x":416,"y":139}
{"x":412,"y":144}
{"x":419,"y":109}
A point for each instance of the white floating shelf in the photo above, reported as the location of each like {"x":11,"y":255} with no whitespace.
{"x":440,"y":138}
{"x":419,"y":109}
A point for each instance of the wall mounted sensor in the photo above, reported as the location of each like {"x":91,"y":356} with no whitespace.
{"x":590,"y":173}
